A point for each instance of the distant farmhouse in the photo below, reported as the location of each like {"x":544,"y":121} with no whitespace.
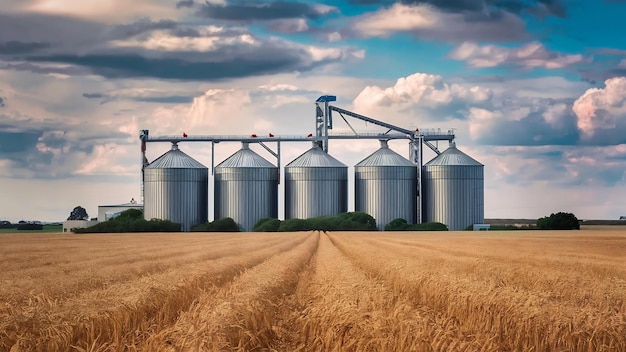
{"x":105,"y":212}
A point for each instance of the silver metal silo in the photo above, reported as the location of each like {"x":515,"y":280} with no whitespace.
{"x":385,"y":186}
{"x":316,"y":184}
{"x":176,"y":189}
{"x":246,"y":188}
{"x":453,"y":190}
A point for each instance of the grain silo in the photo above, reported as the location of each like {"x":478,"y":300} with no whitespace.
{"x":176,"y":189}
{"x":316,"y":184}
{"x":385,"y":186}
{"x":246,"y":188}
{"x":453,"y":190}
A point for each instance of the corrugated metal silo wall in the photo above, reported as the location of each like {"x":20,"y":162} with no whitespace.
{"x":246,"y":194}
{"x":454,"y":195}
{"x":315,"y":191}
{"x":386,"y":193}
{"x":177,"y":194}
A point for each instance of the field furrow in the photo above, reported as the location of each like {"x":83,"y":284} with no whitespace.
{"x":527,"y":273}
{"x":110,"y":315}
{"x":338,"y":307}
{"x":311,"y":291}
{"x":241,"y":315}
{"x":82,"y":272}
{"x":488,"y":303}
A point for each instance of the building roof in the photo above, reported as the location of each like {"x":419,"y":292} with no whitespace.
{"x":453,"y":156}
{"x":175,"y":159}
{"x":129,"y":205}
{"x":385,"y":157}
{"x":245,"y":157}
{"x":315,"y":157}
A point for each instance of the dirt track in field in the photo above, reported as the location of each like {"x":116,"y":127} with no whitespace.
{"x":461,"y":291}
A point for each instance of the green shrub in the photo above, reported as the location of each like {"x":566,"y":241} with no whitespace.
{"x":400,"y":224}
{"x":428,"y":226}
{"x":266,"y":225}
{"x":559,"y":221}
{"x":7,"y":225}
{"x":28,"y":226}
{"x":293,"y":225}
{"x":358,"y":221}
{"x":219,"y":225}
{"x":131,"y":220}
{"x":353,"y":221}
{"x":131,"y":214}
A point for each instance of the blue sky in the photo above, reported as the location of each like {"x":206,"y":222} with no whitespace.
{"x":535,"y":90}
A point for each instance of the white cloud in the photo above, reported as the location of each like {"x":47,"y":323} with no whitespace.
{"x":557,"y":114}
{"x":426,"y":21}
{"x":397,"y":18}
{"x":334,"y":37}
{"x":419,"y":90}
{"x":216,"y":107}
{"x":325,"y":9}
{"x":531,"y":55}
{"x":480,"y":121}
{"x":319,"y":54}
{"x":289,"y":25}
{"x":212,"y":38}
{"x":107,"y":159}
{"x":602,"y":109}
{"x":109,"y":10}
{"x":279,"y":87}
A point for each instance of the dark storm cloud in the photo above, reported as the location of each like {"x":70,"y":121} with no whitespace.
{"x":16,"y":47}
{"x":142,"y":26}
{"x":598,"y":75}
{"x":370,"y":2}
{"x":44,"y":69}
{"x":94,"y":95}
{"x":15,"y":142}
{"x":186,"y":32}
{"x":538,"y":122}
{"x":185,"y":3}
{"x":523,"y":121}
{"x":611,"y":51}
{"x":19,"y":145}
{"x":51,"y":148}
{"x":607,"y":63}
{"x":568,"y":166}
{"x":255,"y":10}
{"x":150,"y":98}
{"x":118,"y":52}
{"x":533,"y":130}
{"x":128,"y":65}
{"x":172,"y":99}
{"x":36,"y":31}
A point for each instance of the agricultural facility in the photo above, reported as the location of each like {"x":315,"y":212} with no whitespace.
{"x":448,"y":189}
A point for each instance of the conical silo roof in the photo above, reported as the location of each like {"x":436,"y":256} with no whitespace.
{"x":175,"y":159}
{"x":384,"y":157}
{"x":245,"y":157}
{"x":315,"y":157}
{"x":453,"y":156}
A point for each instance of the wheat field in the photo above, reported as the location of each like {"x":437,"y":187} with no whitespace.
{"x":343,"y":291}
